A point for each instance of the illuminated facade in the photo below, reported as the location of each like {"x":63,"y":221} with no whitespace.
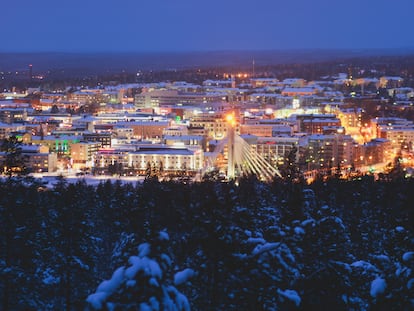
{"x":83,"y":154}
{"x":171,"y":159}
{"x":214,"y":124}
{"x":59,"y":145}
{"x":157,"y":98}
{"x":262,"y":130}
{"x":328,"y":151}
{"x":275,"y":149}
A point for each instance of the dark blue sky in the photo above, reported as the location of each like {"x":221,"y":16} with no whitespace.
{"x":197,"y":25}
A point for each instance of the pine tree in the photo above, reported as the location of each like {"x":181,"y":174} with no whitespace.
{"x":144,"y":283}
{"x":14,"y":163}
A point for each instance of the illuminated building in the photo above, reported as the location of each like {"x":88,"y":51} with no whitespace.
{"x":294,"y":82}
{"x":350,"y":117}
{"x":297,"y":92}
{"x":376,"y":151}
{"x":214,"y":123}
{"x":37,"y":158}
{"x":275,"y":149}
{"x":231,"y":83}
{"x":83,"y":154}
{"x":56,"y":144}
{"x":170,"y":158}
{"x":184,"y":140}
{"x":264,"y":82}
{"x":314,"y":123}
{"x":329,"y":151}
{"x":157,"y":98}
{"x":7,"y":129}
{"x":261,"y":130}
{"x":13,"y":115}
{"x":104,"y":139}
{"x":390,"y":82}
{"x":147,"y":130}
{"x":400,"y":132}
{"x":400,"y":138}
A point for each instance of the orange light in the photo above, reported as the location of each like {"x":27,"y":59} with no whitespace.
{"x":230,"y":119}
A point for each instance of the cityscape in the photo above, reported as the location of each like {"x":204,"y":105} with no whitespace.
{"x":212,"y":155}
{"x":358,"y":119}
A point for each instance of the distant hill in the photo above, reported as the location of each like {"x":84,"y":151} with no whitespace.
{"x":130,"y":62}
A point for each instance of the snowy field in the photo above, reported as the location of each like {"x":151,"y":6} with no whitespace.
{"x":50,"y":179}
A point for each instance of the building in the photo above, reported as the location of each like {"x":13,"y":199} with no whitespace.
{"x":37,"y":158}
{"x":8,"y":129}
{"x":147,"y":130}
{"x":329,"y":151}
{"x":56,"y":144}
{"x":13,"y":115}
{"x":299,"y":91}
{"x":157,"y":98}
{"x":390,"y":82}
{"x":314,"y":123}
{"x":376,"y":151}
{"x":159,"y":157}
{"x":104,"y":139}
{"x":275,"y":149}
{"x":260,"y":130}
{"x":83,"y":154}
{"x":185,"y":140}
{"x":215,"y":124}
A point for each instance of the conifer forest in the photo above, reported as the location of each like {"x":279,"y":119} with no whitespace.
{"x":245,"y":245}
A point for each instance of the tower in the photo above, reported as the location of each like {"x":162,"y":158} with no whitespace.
{"x":253,"y":73}
{"x":231,"y":123}
{"x":30,"y":72}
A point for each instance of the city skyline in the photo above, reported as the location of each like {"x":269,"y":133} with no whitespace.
{"x":179,"y":26}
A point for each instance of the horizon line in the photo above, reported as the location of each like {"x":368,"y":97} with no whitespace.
{"x":344,"y":49}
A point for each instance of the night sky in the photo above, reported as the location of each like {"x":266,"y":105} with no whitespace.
{"x":196,"y":25}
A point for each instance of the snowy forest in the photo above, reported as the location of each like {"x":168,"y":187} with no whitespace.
{"x":330,"y":245}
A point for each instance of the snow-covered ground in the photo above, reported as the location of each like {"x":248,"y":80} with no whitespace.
{"x":50,"y":179}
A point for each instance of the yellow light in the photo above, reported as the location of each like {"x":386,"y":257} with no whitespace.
{"x":229,"y":118}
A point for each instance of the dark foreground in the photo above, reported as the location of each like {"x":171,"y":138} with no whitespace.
{"x":253,"y":246}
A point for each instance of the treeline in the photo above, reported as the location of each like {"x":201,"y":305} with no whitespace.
{"x":331,"y":245}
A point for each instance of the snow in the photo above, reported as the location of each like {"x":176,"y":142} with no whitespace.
{"x":378,"y":287}
{"x":80,"y":263}
{"x":154,"y":282}
{"x":96,"y":300}
{"x":144,"y":307}
{"x":109,"y":286}
{"x":182,"y":302}
{"x":131,"y":283}
{"x":48,"y":277}
{"x":149,"y":266}
{"x":144,"y":249}
{"x":363,"y":265}
{"x":408,"y":256}
{"x":291,"y":295}
{"x":307,"y":222}
{"x":166,"y":259}
{"x":155,"y":305}
{"x":183,"y":276}
{"x":256,"y":240}
{"x":264,"y":248}
{"x":410,"y":284}
{"x":399,"y":229}
{"x":164,"y":236}
{"x":299,"y":231}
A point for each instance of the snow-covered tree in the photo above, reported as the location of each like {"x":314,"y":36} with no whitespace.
{"x":143,"y":283}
